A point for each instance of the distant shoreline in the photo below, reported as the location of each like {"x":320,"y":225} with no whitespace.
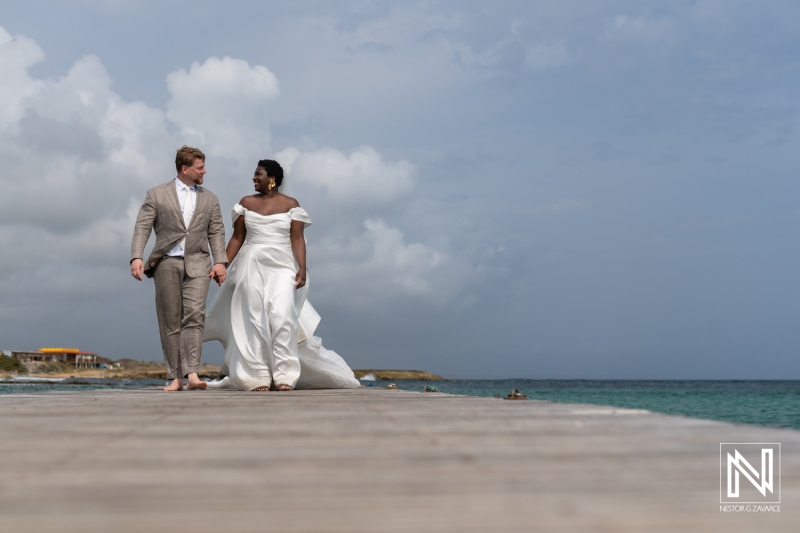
{"x":388,"y":375}
{"x":131,"y":369}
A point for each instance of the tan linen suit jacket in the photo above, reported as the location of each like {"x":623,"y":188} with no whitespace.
{"x":161,"y":212}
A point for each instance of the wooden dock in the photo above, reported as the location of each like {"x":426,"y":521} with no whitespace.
{"x":365,"y":460}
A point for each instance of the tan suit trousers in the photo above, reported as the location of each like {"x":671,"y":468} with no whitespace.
{"x":181,"y":308}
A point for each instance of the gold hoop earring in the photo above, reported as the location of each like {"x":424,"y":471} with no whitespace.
{"x":271,"y":184}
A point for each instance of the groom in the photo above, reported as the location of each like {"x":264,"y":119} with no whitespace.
{"x":186,"y":218}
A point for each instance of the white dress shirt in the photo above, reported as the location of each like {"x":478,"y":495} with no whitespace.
{"x":187,"y":196}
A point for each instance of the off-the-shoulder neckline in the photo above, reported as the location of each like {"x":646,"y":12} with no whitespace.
{"x":272,"y":215}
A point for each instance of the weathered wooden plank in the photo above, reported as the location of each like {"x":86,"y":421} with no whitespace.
{"x":364,"y":460}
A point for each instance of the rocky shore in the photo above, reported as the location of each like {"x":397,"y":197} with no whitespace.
{"x":391,"y":375}
{"x":125,"y":370}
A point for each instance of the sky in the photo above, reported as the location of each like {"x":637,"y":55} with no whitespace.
{"x":509,"y":189}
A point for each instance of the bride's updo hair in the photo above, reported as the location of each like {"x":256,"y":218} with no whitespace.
{"x":274,"y":170}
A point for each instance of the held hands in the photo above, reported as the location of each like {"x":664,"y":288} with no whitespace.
{"x":137,"y":269}
{"x":218,"y":273}
{"x":300,"y":278}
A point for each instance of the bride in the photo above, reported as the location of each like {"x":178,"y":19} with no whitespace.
{"x":261,"y":315}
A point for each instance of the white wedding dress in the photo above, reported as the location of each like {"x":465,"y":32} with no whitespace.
{"x":266,"y":326}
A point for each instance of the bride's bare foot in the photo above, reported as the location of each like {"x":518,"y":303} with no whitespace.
{"x":262,"y":389}
{"x":284,"y":387}
{"x":176,"y":385}
{"x":195,"y":383}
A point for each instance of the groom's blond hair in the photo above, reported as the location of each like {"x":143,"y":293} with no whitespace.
{"x":186,"y":157}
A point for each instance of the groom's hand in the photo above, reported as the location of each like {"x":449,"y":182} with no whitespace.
{"x":218,"y":273}
{"x":137,"y":269}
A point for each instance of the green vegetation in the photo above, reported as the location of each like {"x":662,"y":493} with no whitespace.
{"x":10,"y":364}
{"x":48,"y":367}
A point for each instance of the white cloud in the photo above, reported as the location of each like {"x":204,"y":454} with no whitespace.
{"x":79,"y":158}
{"x":78,"y":152}
{"x":222,"y":104}
{"x":84,"y":95}
{"x":357,"y":255}
{"x":362,"y":178}
{"x":17,"y":55}
{"x":377,"y":263}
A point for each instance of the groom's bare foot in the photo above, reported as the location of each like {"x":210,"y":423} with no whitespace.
{"x":195,"y":383}
{"x":284,"y":387}
{"x":262,"y":389}
{"x":176,"y":385}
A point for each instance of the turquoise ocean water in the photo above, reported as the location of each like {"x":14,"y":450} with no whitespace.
{"x":766,"y":403}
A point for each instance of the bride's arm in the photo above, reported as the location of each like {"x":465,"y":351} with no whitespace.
{"x":299,"y":249}
{"x":237,"y":239}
